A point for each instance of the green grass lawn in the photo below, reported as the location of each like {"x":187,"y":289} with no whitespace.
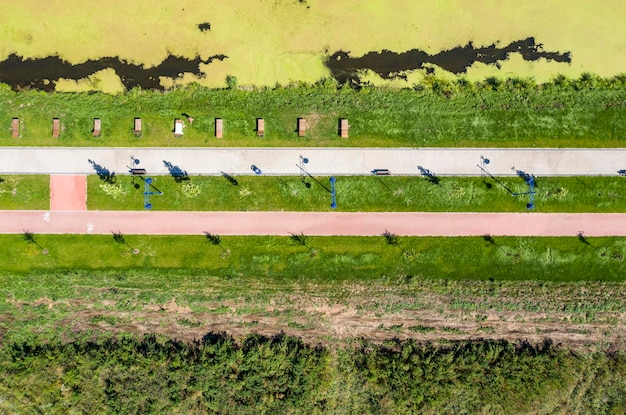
{"x":30,"y":192}
{"x":364,"y":193}
{"x":582,"y":113}
{"x":319,"y":259}
{"x":354,"y":193}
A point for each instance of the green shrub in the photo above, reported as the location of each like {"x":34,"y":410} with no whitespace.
{"x":112,"y":189}
{"x":191,"y":190}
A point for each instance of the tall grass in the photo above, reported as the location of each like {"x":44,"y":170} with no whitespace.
{"x":585,"y":112}
{"x":153,"y":374}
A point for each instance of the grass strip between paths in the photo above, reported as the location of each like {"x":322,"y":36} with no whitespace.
{"x":361,"y":194}
{"x":354,"y":194}
{"x":31,"y":192}
{"x":319,"y":259}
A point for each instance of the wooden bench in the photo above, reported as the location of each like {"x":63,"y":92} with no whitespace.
{"x":97,"y":125}
{"x":15,"y":128}
{"x":137,"y":127}
{"x":381,"y":172}
{"x":260,"y":127}
{"x":219,"y":125}
{"x":178,"y":127}
{"x":343,"y":128}
{"x":56,"y":128}
{"x":137,"y":172}
{"x":301,"y":127}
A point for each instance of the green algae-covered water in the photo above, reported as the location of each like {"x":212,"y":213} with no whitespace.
{"x":116,"y":45}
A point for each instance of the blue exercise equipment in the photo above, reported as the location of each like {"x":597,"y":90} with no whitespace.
{"x":530,"y":181}
{"x":147,"y":192}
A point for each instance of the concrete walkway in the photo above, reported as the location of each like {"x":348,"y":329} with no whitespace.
{"x":322,"y":161}
{"x":312,"y":223}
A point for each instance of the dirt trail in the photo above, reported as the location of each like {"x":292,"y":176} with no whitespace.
{"x":525,"y":311}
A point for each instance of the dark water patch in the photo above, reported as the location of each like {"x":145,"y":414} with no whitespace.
{"x":204,"y":26}
{"x":392,"y":65}
{"x":43,"y":73}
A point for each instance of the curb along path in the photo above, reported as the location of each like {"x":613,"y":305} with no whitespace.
{"x":312,"y":223}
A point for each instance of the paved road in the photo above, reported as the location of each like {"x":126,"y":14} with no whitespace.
{"x":312,"y":223}
{"x":322,"y":161}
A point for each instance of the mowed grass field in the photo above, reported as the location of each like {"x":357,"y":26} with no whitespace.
{"x":362,"y":193}
{"x":31,"y":192}
{"x":287,"y":40}
{"x":324,"y":259}
{"x":354,"y":194}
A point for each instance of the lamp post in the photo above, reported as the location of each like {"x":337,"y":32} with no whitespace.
{"x":303,"y":160}
{"x":483,"y":162}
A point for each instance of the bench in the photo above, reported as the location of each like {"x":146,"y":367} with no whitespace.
{"x":381,"y":172}
{"x":97,"y":124}
{"x":178,"y":127}
{"x":137,"y":127}
{"x":260,"y":127}
{"x":137,"y":172}
{"x":343,"y":128}
{"x":15,"y":128}
{"x":218,"y":127}
{"x":56,"y":128}
{"x":301,"y":127}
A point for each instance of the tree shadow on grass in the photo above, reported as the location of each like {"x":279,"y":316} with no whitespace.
{"x":302,"y":240}
{"x":103,"y":173}
{"x":298,"y":238}
{"x":217,"y":241}
{"x":119,"y":238}
{"x":391,"y":238}
{"x":583,"y":240}
{"x":429,"y":175}
{"x":30,"y":238}
{"x":489,"y":239}
{"x":176,"y":172}
{"x":230,"y":178}
{"x":527,"y":177}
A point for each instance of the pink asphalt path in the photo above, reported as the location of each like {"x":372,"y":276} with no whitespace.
{"x":312,"y":223}
{"x":68,"y":192}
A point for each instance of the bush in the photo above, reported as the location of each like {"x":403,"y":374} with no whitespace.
{"x":112,"y":189}
{"x":191,"y":190}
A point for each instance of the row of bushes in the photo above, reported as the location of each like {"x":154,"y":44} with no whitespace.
{"x":280,"y":374}
{"x":586,"y":81}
